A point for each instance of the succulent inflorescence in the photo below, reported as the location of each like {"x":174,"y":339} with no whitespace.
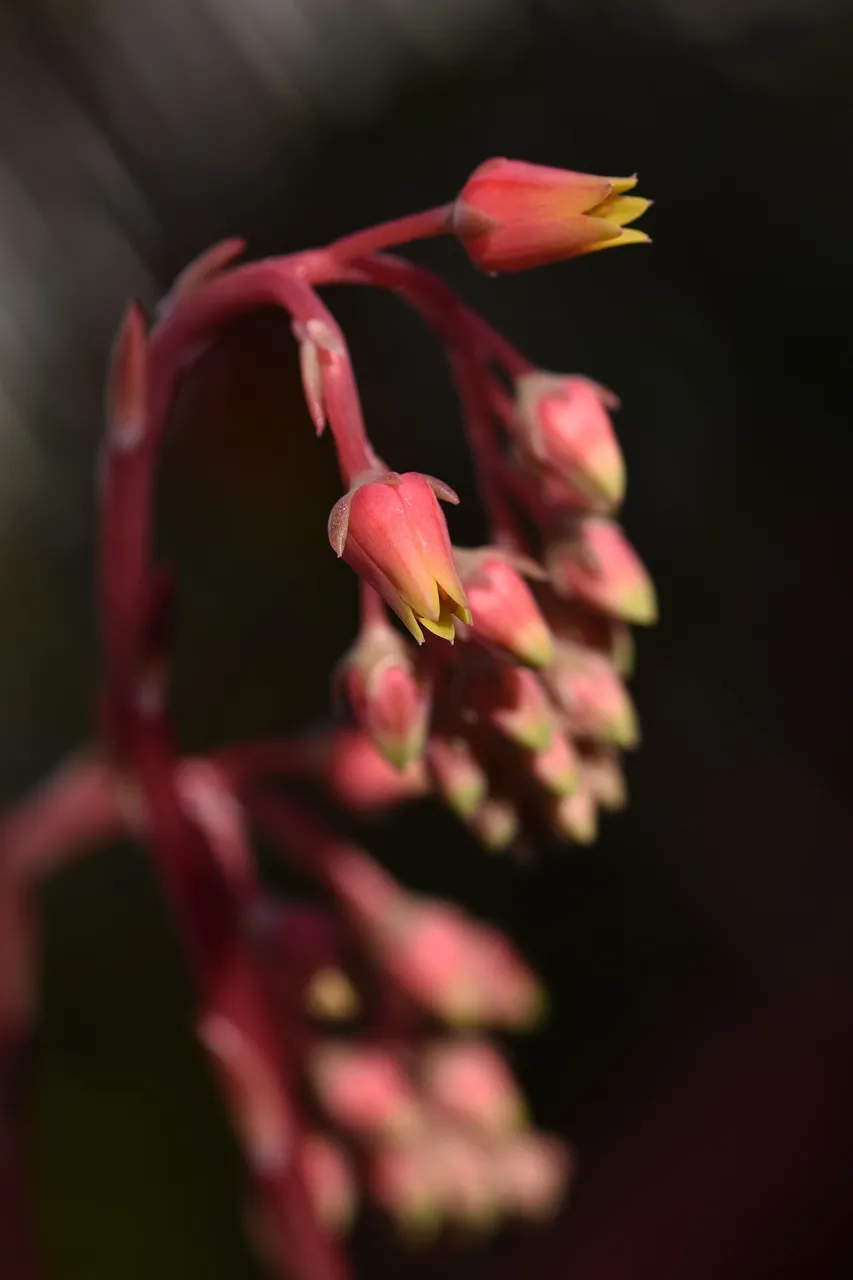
{"x":351,"y":1040}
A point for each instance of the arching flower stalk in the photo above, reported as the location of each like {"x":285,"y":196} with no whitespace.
{"x":511,"y":707}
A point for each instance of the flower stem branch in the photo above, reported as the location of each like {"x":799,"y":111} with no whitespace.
{"x":385,"y":235}
{"x":237,"y":1025}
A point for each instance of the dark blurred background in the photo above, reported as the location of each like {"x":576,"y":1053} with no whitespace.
{"x":699,"y":957}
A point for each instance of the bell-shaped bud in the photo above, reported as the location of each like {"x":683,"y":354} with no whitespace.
{"x":469,"y":1080}
{"x":517,"y":999}
{"x":575,"y":817}
{"x":603,"y":776}
{"x":329,"y":1181}
{"x":523,"y":712}
{"x":388,"y":698}
{"x":511,"y":215}
{"x":390,"y":529}
{"x":532,"y":1171}
{"x":461,"y":971}
{"x":594,"y":701}
{"x":469,"y":1195}
{"x":496,"y":823}
{"x":503,"y":610}
{"x":562,"y":422}
{"x":510,"y":699}
{"x":361,"y":779}
{"x":458,"y":773}
{"x":556,"y":766}
{"x":363,"y":1089}
{"x":402,"y":1180}
{"x":598,"y":565}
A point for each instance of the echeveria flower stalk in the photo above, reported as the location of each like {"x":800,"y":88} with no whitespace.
{"x":528,"y":714}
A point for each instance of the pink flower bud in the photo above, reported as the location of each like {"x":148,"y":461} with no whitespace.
{"x":511,"y":215}
{"x":556,"y":766}
{"x":461,"y":971}
{"x":532,"y":1172}
{"x":458,"y":775}
{"x":362,"y":780}
{"x":471,"y":1082}
{"x":461,"y":1168}
{"x":594,"y":700}
{"x":599,"y":566}
{"x":503,"y":609}
{"x":496,"y":823}
{"x":603,"y":776}
{"x":389,"y":528}
{"x":563,"y":424}
{"x":329,"y":1181}
{"x":388,"y":699}
{"x":517,"y":999}
{"x":575,"y":817}
{"x":512,"y":700}
{"x":363,"y":1089}
{"x":402,"y":1179}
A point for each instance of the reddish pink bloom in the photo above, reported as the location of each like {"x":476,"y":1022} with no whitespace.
{"x":516,"y":997}
{"x":471,"y":1082}
{"x":603,"y":775}
{"x":462,"y":971}
{"x":598,"y":565}
{"x":562,"y":422}
{"x":463,"y":1174}
{"x":361,"y":779}
{"x":389,"y":528}
{"x":458,"y":773}
{"x":594,"y":700}
{"x":363,"y":1089}
{"x":556,"y":766}
{"x":388,"y":699}
{"x":496,"y":823}
{"x":404,"y":1181}
{"x":532,"y":1171}
{"x":329,"y":1181}
{"x":511,"y":215}
{"x":517,"y":706}
{"x":503,"y":609}
{"x":575,"y":817}
{"x":511,"y":699}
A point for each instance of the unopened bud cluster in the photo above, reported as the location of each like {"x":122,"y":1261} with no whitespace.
{"x":350,"y":1036}
{"x":518,"y":727}
{"x":431,"y":1125}
{"x":440,"y":1128}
